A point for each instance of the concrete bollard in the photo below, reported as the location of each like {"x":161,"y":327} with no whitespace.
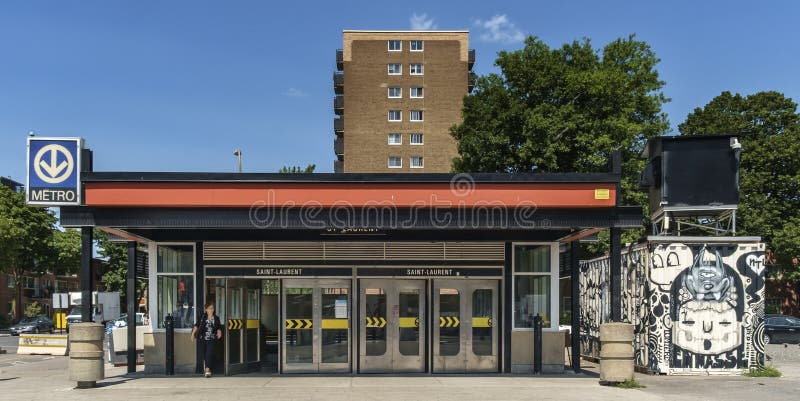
{"x":86,"y":364}
{"x":616,"y":352}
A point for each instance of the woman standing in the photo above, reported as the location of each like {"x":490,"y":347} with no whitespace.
{"x":208,"y":330}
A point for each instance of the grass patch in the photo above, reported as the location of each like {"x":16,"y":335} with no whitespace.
{"x":630,"y":383}
{"x":764,"y":371}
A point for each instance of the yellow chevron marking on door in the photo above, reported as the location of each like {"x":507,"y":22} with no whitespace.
{"x":448,"y":321}
{"x":406,"y":322}
{"x":298,"y":323}
{"x":376,"y":322}
{"x":482,"y":322}
{"x":234,"y":324}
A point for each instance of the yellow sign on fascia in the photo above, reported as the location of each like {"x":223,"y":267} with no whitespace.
{"x":602,"y":194}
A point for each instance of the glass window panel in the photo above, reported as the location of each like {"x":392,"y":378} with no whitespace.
{"x":335,"y":305}
{"x":409,"y":322}
{"x":175,"y":259}
{"x":375,"y":311}
{"x":176,"y":297}
{"x":532,"y":296}
{"x":299,"y":342}
{"x":449,"y":307}
{"x":416,"y":139}
{"x":395,"y":45}
{"x":417,"y":45}
{"x":482,"y":321}
{"x":252,"y":304}
{"x":532,"y":258}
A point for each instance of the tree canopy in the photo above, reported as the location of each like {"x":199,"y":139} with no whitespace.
{"x":66,"y":251}
{"x":768,"y":126}
{"x":564,"y":109}
{"x":298,"y":170}
{"x":26,"y":239}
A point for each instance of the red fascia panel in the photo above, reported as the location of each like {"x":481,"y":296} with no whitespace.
{"x":216,"y":194}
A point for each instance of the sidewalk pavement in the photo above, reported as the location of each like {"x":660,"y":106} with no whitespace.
{"x":46,"y":378}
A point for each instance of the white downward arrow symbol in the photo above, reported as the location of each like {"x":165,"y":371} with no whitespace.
{"x":52,"y":168}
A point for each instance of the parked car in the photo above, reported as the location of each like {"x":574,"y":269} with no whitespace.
{"x":779,"y":329}
{"x":33,"y":325}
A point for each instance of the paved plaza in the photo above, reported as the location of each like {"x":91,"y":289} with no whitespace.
{"x":29,"y":377}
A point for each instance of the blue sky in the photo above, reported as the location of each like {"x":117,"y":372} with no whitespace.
{"x":178,"y":85}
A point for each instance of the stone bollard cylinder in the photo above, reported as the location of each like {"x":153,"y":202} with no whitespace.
{"x":86,"y":365}
{"x":616,"y":352}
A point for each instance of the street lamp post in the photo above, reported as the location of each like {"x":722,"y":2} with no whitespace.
{"x":238,"y":154}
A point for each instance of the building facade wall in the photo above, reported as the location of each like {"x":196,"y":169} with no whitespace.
{"x":366,"y":101}
{"x":697,"y":308}
{"x":34,"y":289}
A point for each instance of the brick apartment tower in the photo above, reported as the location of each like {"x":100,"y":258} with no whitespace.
{"x":397,"y":95}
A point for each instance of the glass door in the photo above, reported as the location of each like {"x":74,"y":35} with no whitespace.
{"x":465,"y":333}
{"x":392,"y":326}
{"x":242,"y":326}
{"x":316,"y":325}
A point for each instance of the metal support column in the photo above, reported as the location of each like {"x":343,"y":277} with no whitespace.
{"x":199,"y":289}
{"x":87,"y":282}
{"x":575,"y":332}
{"x":616,"y":275}
{"x":616,"y":246}
{"x":131,"y":298}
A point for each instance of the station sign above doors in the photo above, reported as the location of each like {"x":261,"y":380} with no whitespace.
{"x":382,"y":271}
{"x":54,"y":166}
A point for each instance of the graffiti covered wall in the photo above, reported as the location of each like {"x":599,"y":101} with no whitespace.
{"x":695,"y":307}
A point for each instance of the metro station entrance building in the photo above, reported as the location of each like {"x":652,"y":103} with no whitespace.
{"x":357,"y":273}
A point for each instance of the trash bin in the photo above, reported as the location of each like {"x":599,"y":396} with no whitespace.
{"x":86,"y":365}
{"x":616,"y":352}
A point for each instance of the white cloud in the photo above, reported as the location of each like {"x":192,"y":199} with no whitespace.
{"x":499,"y":29}
{"x":296,"y":93}
{"x":421,"y":22}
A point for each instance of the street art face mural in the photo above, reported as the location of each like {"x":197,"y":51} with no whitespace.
{"x":707,"y":320}
{"x":695,"y":307}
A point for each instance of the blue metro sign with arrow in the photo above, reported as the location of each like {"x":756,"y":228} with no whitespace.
{"x":54,"y":171}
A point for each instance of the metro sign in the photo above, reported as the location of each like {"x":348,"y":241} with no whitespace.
{"x":53,"y":177}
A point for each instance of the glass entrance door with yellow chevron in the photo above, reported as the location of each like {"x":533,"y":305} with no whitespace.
{"x":391,"y":326}
{"x":242,"y":328}
{"x":465,"y":336}
{"x":316,"y":328}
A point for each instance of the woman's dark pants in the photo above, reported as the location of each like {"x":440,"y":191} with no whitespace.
{"x":208,"y":352}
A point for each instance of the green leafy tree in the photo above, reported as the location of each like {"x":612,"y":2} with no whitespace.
{"x":115,"y":276}
{"x":768,"y":126}
{"x":565,"y":109}
{"x":26,"y":238}
{"x":298,"y":170}
{"x":33,"y":310}
{"x":67,"y":251}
